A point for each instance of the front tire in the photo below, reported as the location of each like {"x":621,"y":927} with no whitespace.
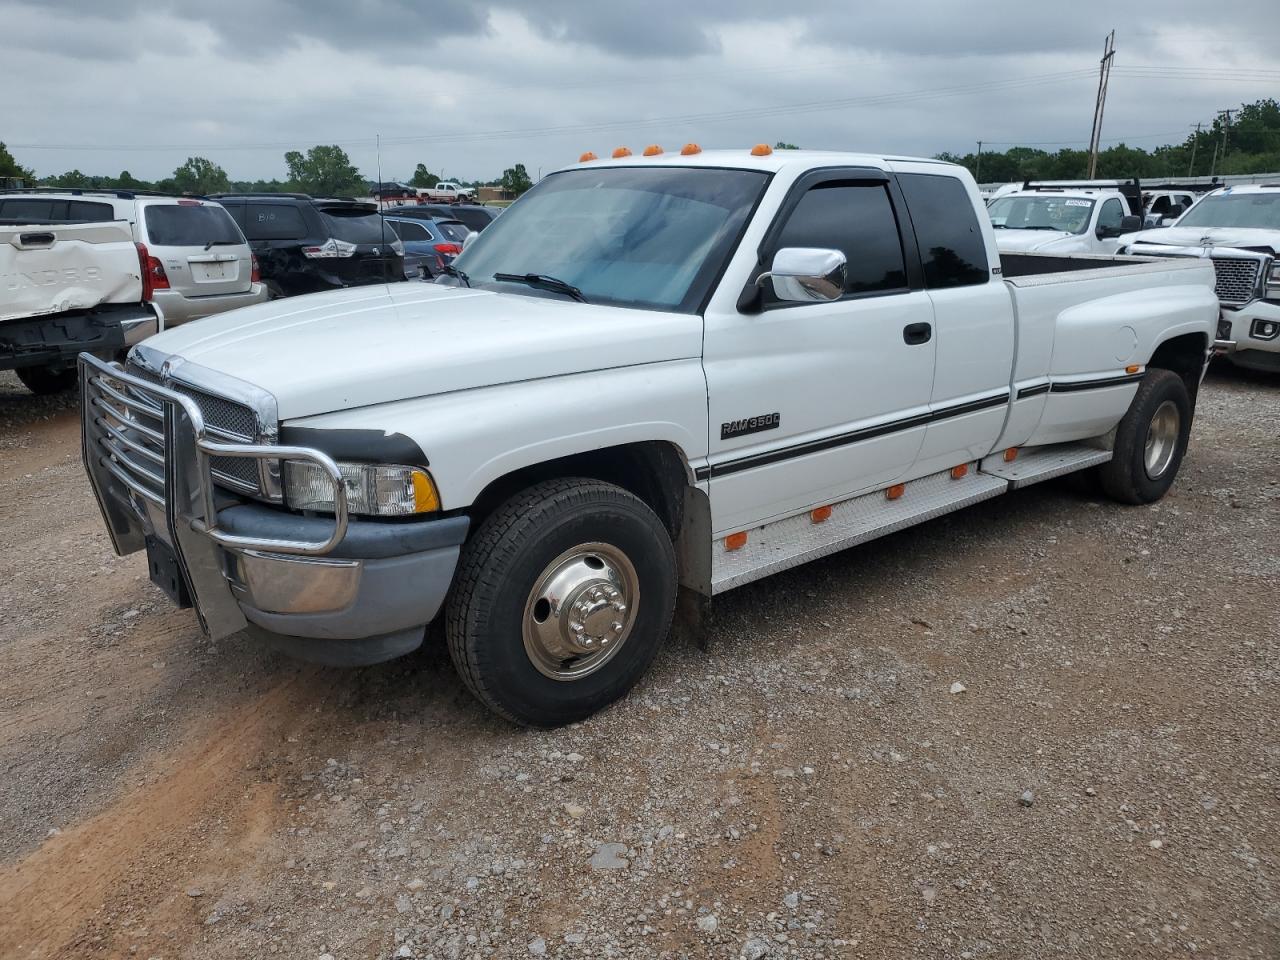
{"x":560,"y":601}
{"x":47,"y":380}
{"x":1151,"y":440}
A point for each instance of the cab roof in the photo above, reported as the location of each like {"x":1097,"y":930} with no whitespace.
{"x":743,"y":159}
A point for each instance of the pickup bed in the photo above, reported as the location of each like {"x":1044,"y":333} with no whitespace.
{"x":651,"y":373}
{"x":64,"y":289}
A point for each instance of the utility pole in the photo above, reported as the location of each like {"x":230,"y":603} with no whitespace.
{"x":1225,"y":127}
{"x":1213,"y":164}
{"x":978,"y":173}
{"x":1104,"y":74}
{"x":1194,"y":143}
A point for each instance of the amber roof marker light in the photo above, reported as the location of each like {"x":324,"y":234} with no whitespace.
{"x":761,"y":150}
{"x":690,"y":149}
{"x":621,"y":152}
{"x":653,"y":150}
{"x":587,"y":157}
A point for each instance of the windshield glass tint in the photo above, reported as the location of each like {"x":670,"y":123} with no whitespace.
{"x":179,"y":225}
{"x":1067,"y":214}
{"x":1261,"y":210}
{"x":357,"y":226}
{"x":649,"y":237}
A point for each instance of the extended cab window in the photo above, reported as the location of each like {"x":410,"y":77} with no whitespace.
{"x":952,"y":250}
{"x":33,"y":210}
{"x":273,"y":221}
{"x":856,"y":219}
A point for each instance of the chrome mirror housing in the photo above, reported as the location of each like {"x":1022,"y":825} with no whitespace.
{"x":471,"y":235}
{"x":807,"y":274}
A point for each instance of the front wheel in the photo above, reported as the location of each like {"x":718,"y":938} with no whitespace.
{"x":46,"y":380}
{"x":1150,"y":441}
{"x":561,"y":600}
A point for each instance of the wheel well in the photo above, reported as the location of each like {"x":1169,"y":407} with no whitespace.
{"x":654,"y":471}
{"x":1184,"y":355}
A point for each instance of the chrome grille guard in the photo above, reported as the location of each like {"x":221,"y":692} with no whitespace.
{"x":149,"y":466}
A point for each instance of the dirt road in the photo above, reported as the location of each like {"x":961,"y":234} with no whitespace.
{"x":1106,"y":785}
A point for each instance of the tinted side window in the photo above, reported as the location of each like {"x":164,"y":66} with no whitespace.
{"x":951,"y":247}
{"x":1112,"y":213}
{"x":273,"y":221}
{"x":90,"y":212}
{"x":857,"y":219}
{"x":412,"y":231}
{"x":33,"y":209}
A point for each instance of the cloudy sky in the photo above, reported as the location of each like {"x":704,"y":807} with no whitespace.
{"x":470,"y":88}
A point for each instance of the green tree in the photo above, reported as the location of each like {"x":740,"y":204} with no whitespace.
{"x":325,"y":171}
{"x":422,"y":177}
{"x":201,"y":176}
{"x":72,"y":178}
{"x":516,"y":179}
{"x":9,"y":166}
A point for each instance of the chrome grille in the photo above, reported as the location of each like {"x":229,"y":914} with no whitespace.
{"x":1237,"y":278}
{"x":225,"y":420}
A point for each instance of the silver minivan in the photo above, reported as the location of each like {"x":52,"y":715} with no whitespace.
{"x":198,"y":263}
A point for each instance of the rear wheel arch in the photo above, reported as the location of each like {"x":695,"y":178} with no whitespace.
{"x":1185,"y":356}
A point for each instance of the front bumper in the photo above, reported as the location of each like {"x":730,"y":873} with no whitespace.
{"x":321,"y":588}
{"x":177,"y":307}
{"x":1250,"y":336}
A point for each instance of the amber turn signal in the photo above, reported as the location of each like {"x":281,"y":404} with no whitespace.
{"x":897,"y":490}
{"x":1133,"y":368}
{"x":820,"y":514}
{"x":736,"y":541}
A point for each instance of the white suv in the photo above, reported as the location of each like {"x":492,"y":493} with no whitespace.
{"x":198,"y":263}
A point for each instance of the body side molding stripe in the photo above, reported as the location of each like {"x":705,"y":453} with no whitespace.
{"x":1069,"y":386}
{"x":867,"y":433}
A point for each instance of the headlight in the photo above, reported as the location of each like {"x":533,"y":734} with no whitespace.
{"x":373,"y":489}
{"x":1273,"y":281}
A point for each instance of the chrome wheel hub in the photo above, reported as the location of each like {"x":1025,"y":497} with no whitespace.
{"x":580,"y":611}
{"x":1162,"y":439}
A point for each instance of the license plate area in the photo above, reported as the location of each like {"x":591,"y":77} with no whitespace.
{"x":205,"y":272}
{"x":162,"y":567}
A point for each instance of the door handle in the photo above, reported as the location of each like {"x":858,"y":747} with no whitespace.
{"x":917,"y":333}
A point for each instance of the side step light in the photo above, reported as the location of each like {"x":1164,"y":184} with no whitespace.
{"x":736,"y":541}
{"x":820,"y":514}
{"x":897,"y":490}
{"x":960,"y":472}
{"x":1011,"y":455}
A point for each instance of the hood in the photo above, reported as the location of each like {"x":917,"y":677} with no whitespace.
{"x":1027,"y":241}
{"x":364,"y":345}
{"x":1208,"y":237}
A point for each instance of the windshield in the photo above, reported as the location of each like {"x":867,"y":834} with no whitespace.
{"x":190,"y":225}
{"x":357,"y":226}
{"x":643,"y":237}
{"x":1258,"y":210}
{"x":1067,"y":214}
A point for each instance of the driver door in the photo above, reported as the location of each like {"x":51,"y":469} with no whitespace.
{"x":814,"y":402}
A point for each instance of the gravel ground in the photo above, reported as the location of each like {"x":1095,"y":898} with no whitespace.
{"x":1044,"y":727}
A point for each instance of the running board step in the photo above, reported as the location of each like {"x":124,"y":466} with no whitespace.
{"x":1035,"y":464}
{"x":789,"y":542}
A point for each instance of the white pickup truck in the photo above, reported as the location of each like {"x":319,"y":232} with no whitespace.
{"x":679,"y":370}
{"x":446,"y":192}
{"x":1062,"y":221}
{"x":1237,"y":229}
{"x":65,"y":289}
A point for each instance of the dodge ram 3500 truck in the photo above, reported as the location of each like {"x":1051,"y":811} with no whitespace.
{"x":670,"y":370}
{"x":65,"y":289}
{"x":1237,"y":229}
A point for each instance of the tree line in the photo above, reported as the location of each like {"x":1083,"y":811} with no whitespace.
{"x":1247,"y":142}
{"x":322,"y":171}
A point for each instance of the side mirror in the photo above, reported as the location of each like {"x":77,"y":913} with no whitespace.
{"x":807,"y":274}
{"x":471,"y":235}
{"x":1129,"y":223}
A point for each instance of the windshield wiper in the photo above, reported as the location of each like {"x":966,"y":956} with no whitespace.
{"x":453,"y":271}
{"x":541,"y":281}
{"x":222,"y":243}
